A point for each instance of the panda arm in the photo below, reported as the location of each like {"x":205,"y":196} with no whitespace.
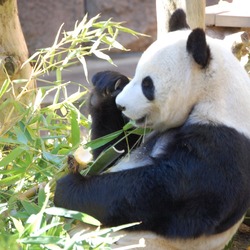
{"x":106,"y":117}
{"x":200,"y":187}
{"x":114,"y":198}
{"x":153,"y":195}
{"x":158,"y":196}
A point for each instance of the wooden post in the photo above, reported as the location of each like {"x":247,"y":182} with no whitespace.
{"x":195,"y":10}
{"x":13,"y":53}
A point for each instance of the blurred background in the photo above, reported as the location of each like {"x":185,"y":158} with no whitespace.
{"x":40,"y":20}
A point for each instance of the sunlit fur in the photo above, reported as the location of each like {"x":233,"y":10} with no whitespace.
{"x":217,"y":94}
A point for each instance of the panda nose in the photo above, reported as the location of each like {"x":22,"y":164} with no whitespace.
{"x":120,"y":107}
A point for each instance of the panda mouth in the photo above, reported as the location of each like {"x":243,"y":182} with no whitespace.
{"x":142,"y":121}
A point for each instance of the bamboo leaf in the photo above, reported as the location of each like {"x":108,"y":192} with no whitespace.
{"x":46,"y":228}
{"x":20,"y":81}
{"x":43,"y":240}
{"x":18,"y":225}
{"x":103,"y":56}
{"x":7,"y":140}
{"x":36,"y":54}
{"x":52,"y":158}
{"x":37,"y":144}
{"x":103,"y":140}
{"x":41,"y":197}
{"x":4,"y":87}
{"x":14,"y":154}
{"x":75,"y":129}
{"x":11,"y":180}
{"x":58,"y":76}
{"x":72,"y":214}
{"x":114,"y":43}
{"x":30,"y":208}
{"x":103,"y":161}
{"x":74,"y":97}
{"x":84,"y":65}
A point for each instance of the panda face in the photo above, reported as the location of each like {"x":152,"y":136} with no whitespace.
{"x":181,"y":78}
{"x":162,"y":83}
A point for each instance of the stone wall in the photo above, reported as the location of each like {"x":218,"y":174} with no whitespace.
{"x":41,"y":20}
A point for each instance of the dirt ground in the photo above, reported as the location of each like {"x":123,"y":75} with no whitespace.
{"x":242,"y":239}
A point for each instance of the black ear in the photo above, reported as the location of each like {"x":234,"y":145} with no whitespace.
{"x":197,"y":46}
{"x":178,"y":21}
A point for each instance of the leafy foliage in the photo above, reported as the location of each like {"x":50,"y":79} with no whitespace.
{"x":34,"y":149}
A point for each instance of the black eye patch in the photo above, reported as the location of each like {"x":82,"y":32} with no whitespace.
{"x":148,"y":88}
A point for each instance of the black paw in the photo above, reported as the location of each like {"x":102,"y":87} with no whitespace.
{"x":73,"y":165}
{"x":107,"y":84}
{"x":67,"y":190}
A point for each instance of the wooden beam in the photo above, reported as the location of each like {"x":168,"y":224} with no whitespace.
{"x":195,"y":10}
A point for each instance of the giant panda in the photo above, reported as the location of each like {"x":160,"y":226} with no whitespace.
{"x":188,"y":183}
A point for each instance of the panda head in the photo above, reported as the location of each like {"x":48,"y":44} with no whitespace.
{"x":163,"y":80}
{"x":186,"y":74}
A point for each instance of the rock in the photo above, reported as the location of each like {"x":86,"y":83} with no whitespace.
{"x":40,"y":20}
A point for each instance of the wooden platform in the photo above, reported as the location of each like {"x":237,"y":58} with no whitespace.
{"x":229,"y":14}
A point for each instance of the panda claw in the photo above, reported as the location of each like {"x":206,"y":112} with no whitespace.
{"x":107,"y":93}
{"x":118,"y":83}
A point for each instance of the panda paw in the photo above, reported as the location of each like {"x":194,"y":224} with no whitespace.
{"x":107,"y":85}
{"x":73,"y":165}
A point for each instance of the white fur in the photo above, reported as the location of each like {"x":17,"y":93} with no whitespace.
{"x":151,"y":241}
{"x":142,"y":156}
{"x":218,"y":94}
{"x":185,"y":93}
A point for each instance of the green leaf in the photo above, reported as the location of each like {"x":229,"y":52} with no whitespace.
{"x":20,"y":81}
{"x":111,"y":31}
{"x":84,"y":65}
{"x":23,"y":128}
{"x":30,"y":208}
{"x":20,"y":136}
{"x":7,"y":140}
{"x":38,"y":142}
{"x":41,"y":197}
{"x":130,"y":31}
{"x":103,"y":140}
{"x":58,"y":76}
{"x":4,"y":87}
{"x":103,"y":161}
{"x":52,"y":158}
{"x":75,"y":129}
{"x":72,"y":214}
{"x":7,"y":181}
{"x":113,"y":42}
{"x":103,"y":56}
{"x":18,"y":225}
{"x":14,"y":154}
{"x":48,"y":227}
{"x":74,"y":97}
{"x":43,"y":240}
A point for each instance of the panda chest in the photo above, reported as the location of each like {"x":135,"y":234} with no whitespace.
{"x":155,"y":146}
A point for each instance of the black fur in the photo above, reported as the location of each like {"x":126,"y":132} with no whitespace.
{"x":178,"y":21}
{"x":148,"y":88}
{"x":197,"y":46}
{"x":199,"y":185}
{"x":106,"y":117}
